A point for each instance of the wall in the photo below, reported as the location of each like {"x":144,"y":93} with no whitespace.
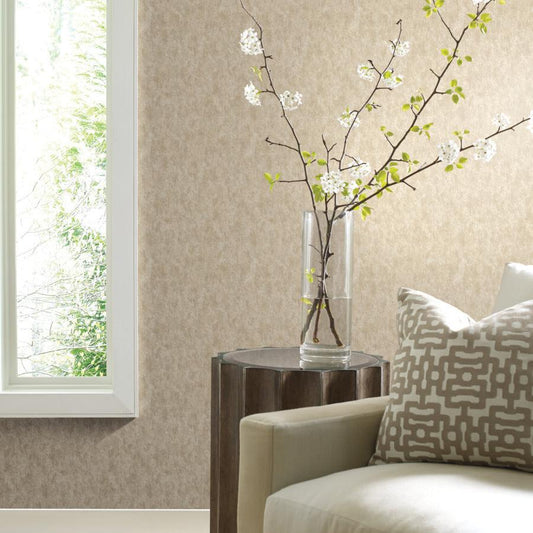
{"x":219,"y":254}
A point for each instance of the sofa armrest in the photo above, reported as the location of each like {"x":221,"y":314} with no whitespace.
{"x":285,"y":447}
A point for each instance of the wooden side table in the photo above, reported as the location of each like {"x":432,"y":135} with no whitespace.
{"x":259,"y":380}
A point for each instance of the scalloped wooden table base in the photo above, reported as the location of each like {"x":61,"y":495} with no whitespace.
{"x":245,"y":382}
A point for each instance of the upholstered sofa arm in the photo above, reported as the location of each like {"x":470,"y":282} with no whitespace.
{"x":285,"y":447}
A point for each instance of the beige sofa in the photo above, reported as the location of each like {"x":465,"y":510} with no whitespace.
{"x":304,"y":471}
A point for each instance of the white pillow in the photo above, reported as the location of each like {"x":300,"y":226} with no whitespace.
{"x":516,"y":286}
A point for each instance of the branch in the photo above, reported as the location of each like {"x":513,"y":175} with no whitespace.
{"x":367,"y":101}
{"x":352,"y":206}
{"x":272,"y":143}
{"x":426,"y":100}
{"x":272,"y":88}
{"x":446,"y":25}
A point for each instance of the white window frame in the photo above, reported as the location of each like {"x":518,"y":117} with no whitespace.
{"x":115,"y":395}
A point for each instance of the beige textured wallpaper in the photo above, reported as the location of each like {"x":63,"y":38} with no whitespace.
{"x":219,"y":254}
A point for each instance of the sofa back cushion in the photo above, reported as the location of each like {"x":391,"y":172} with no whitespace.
{"x":516,"y":286}
{"x":461,"y":390}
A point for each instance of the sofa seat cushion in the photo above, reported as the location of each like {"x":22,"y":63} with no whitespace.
{"x":406,"y":498}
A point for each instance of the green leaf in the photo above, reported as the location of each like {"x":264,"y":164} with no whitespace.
{"x":467,"y":132}
{"x":445,"y":52}
{"x":405,"y":156}
{"x":485,"y":17}
{"x":365,"y":212}
{"x":318,"y":193}
{"x":449,"y":168}
{"x":472,"y":15}
{"x":469,"y":58}
{"x":427,"y":126}
{"x":307,"y":301}
{"x":389,"y":134}
{"x":459,"y":61}
{"x":369,"y":107}
{"x":415,"y":129}
{"x":322,"y":162}
{"x":381,"y":178}
{"x":473,"y":24}
{"x":463,"y":160}
{"x":268,"y":177}
{"x":439,"y":3}
{"x":453,"y":83}
{"x":307,"y":155}
{"x":406,"y":107}
{"x":455,"y":99}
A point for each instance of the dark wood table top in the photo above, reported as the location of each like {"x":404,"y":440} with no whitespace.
{"x":289,"y":359}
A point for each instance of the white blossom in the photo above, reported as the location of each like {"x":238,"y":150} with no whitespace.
{"x":484,"y":149}
{"x":250,"y":43}
{"x":400,"y":48}
{"x":478,"y":2}
{"x":448,"y":152}
{"x":348,"y":118}
{"x":530,"y":125}
{"x":391,"y":80}
{"x":290,"y":101}
{"x":366,"y":71}
{"x":332,"y":182}
{"x":251,"y":93}
{"x":362,"y":170}
{"x":501,"y":120}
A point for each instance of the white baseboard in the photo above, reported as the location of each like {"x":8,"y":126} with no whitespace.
{"x":104,"y":520}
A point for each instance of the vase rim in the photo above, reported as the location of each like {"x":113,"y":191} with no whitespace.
{"x":322,"y":212}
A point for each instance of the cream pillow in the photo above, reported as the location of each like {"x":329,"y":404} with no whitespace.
{"x":516,"y":286}
{"x":461,"y":390}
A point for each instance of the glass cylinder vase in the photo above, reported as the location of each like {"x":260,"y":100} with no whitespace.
{"x":326,"y":298}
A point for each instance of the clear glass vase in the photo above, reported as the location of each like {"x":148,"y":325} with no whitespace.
{"x":326,"y":299}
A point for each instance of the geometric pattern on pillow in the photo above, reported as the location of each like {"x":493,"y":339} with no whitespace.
{"x":461,"y":391}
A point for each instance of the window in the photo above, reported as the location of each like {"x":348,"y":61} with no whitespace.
{"x":68,"y":208}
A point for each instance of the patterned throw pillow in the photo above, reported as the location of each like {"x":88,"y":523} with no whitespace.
{"x":461,"y":390}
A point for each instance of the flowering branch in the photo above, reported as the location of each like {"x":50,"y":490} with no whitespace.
{"x":437,"y":161}
{"x":338,"y":192}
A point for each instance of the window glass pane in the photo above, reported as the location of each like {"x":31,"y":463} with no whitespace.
{"x":60,"y":132}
